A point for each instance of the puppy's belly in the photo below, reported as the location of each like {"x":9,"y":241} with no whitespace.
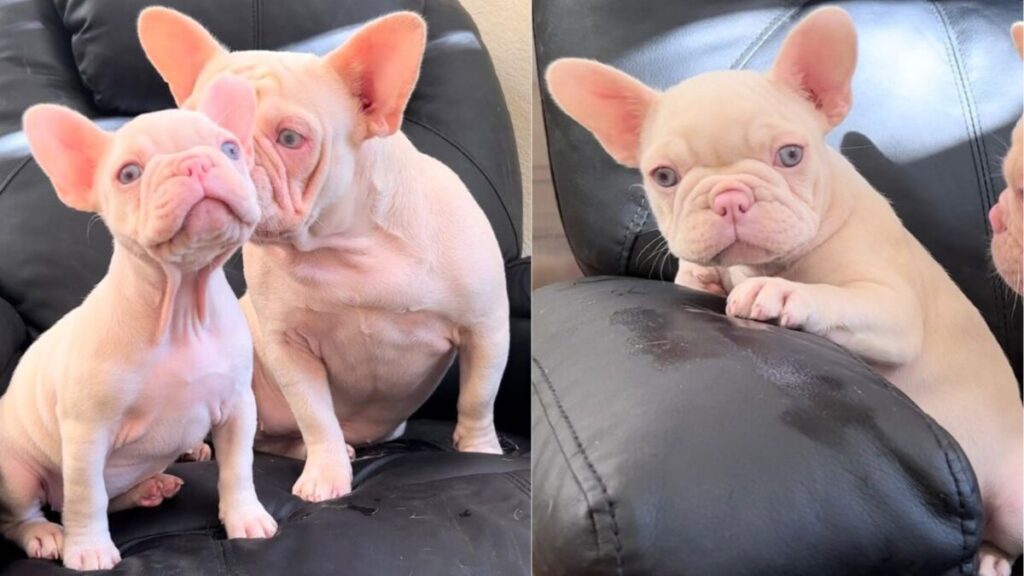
{"x":381,"y":365}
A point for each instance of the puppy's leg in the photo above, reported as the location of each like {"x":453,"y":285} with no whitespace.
{"x":302,"y":379}
{"x":87,"y":543}
{"x":704,"y":278}
{"x":149,"y":493}
{"x":21,"y":498}
{"x":483,"y":352}
{"x":240,"y":510}
{"x":878,"y":323}
{"x":200,"y":453}
{"x":1004,"y":515}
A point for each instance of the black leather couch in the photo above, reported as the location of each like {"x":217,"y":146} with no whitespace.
{"x":416,"y":506}
{"x":669,"y":439}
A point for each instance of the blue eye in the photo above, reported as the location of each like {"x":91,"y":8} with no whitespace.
{"x":665,"y":177}
{"x":791,"y":155}
{"x":231,"y":150}
{"x":129,"y":173}
{"x":290,"y":139}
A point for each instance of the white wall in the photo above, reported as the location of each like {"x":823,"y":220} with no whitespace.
{"x":507,"y":32}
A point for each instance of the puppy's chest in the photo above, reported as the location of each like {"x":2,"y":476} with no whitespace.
{"x":180,"y":393}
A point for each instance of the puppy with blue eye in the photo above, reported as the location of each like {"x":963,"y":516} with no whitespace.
{"x":759,"y":209}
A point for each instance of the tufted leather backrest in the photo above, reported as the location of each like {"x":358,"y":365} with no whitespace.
{"x":85,"y":54}
{"x":935,"y":96}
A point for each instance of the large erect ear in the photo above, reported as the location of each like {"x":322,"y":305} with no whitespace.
{"x":609,"y":103}
{"x":818,"y":59}
{"x":178,"y":47}
{"x":1017,"y":32}
{"x":68,"y":147}
{"x":380,"y":63}
{"x":231,"y":103}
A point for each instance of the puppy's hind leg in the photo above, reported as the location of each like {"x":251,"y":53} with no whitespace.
{"x":1003,"y":511}
{"x":149,"y":493}
{"x":22,"y":520}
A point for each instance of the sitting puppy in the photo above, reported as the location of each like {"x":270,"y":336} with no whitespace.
{"x":1006,"y":216}
{"x":159,"y":352}
{"x":372,"y":265}
{"x":745,"y":190}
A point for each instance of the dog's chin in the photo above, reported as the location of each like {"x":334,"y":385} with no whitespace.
{"x":1006,"y":252}
{"x":209,"y":230}
{"x":741,"y":253}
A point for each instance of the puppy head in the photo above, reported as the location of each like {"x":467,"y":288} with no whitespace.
{"x":1007,"y":214}
{"x":733,"y":162}
{"x":172,"y":184}
{"x":312,"y":113}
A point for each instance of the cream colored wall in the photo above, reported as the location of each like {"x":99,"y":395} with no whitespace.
{"x":506,"y":29}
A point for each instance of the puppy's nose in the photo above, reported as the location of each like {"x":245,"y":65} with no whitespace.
{"x":194,"y":166}
{"x":995,"y":217}
{"x":731,"y":203}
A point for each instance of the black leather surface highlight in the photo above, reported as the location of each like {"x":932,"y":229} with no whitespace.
{"x":670,"y":439}
{"x":934,"y":101}
{"x":465,"y":511}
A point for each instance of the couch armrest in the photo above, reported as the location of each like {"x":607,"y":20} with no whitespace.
{"x":13,"y":341}
{"x":670,"y":439}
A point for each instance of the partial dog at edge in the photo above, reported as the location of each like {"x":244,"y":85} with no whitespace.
{"x":753,"y":202}
{"x":372,"y":265}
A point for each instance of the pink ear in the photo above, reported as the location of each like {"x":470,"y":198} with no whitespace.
{"x":1017,"y":32}
{"x":380,"y":63}
{"x":178,"y":47}
{"x":609,"y":103}
{"x":68,"y":147}
{"x":818,"y":59}
{"x":231,"y":103}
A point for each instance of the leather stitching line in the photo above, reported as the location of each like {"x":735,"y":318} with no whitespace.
{"x":568,"y":463}
{"x":767,"y":32}
{"x":977,"y":146}
{"x":487,"y":177}
{"x":13,"y":173}
{"x":588,"y":462}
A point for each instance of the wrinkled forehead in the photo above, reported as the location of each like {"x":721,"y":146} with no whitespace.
{"x":722,"y":114}
{"x":168,"y":131}
{"x":275,"y":75}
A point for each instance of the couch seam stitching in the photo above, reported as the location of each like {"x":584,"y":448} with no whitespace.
{"x":770,"y":28}
{"x":13,"y":173}
{"x":588,"y":462}
{"x":487,"y":177}
{"x":977,"y":146}
{"x":964,"y":559}
{"x":632,"y":228}
{"x":568,"y":462}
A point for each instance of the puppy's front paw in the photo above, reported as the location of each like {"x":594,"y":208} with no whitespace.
{"x":769,"y":298}
{"x":992,"y":561}
{"x":250,"y":521}
{"x":41,"y":539}
{"x":320,"y":482}
{"x":476,"y":439}
{"x":90,"y":554}
{"x":704,"y":278}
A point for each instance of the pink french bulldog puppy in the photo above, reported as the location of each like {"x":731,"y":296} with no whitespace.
{"x":1007,"y":215}
{"x":159,"y":352}
{"x":749,"y":196}
{"x":372,"y":264}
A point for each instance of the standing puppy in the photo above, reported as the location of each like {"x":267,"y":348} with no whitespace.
{"x":373,"y":263}
{"x":1007,"y":216}
{"x":159,"y":352}
{"x":746,"y":192}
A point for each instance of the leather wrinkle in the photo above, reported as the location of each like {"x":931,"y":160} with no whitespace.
{"x":977,"y":146}
{"x":587,"y":461}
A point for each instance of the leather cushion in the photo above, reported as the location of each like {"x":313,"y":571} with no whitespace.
{"x":669,"y":439}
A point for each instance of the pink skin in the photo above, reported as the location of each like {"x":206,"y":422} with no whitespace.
{"x":158,"y":354}
{"x":372,"y":264}
{"x":797,"y":237}
{"x":1007,"y":215}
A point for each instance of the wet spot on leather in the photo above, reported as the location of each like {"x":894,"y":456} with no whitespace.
{"x":669,"y":338}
